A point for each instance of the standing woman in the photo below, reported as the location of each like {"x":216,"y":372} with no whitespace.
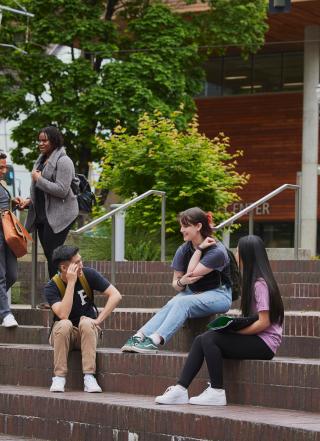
{"x":259,"y":341}
{"x":201,"y":277}
{"x":8,"y":261}
{"x":53,"y":206}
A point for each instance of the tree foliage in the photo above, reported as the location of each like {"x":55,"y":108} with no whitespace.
{"x":125,"y":57}
{"x":192,"y":169}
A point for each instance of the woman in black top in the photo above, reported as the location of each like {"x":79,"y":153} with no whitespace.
{"x":201,"y":268}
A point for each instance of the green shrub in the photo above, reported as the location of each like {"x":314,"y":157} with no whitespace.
{"x":192,"y":169}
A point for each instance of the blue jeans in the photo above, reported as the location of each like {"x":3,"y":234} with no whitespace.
{"x":170,"y":318}
{"x":8,"y":274}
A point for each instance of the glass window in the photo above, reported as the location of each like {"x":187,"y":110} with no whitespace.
{"x":261,"y":73}
{"x":237,"y":77}
{"x":292,"y":71}
{"x":274,"y":234}
{"x":267,"y":73}
{"x":213,"y":86}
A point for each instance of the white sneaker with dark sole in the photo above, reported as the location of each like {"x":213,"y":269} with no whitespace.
{"x":173,"y":395}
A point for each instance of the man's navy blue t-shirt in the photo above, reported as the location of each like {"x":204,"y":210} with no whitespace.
{"x":82,"y":304}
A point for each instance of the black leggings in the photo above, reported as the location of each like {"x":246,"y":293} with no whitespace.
{"x":213,"y":347}
{"x":49,"y":241}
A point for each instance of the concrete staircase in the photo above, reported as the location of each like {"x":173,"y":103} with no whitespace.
{"x":267,"y":400}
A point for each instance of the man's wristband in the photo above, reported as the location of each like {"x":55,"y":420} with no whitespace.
{"x":199,"y":248}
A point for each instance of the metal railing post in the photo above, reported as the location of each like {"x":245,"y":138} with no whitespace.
{"x":297,"y":224}
{"x":226,"y":237}
{"x":34,"y":269}
{"x":113,"y":250}
{"x":163,"y":228}
{"x":251,"y":230}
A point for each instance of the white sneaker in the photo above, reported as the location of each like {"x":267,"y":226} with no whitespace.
{"x":58,"y":384}
{"x":210,"y":397}
{"x":173,"y":395}
{"x":90,"y":384}
{"x":9,"y":321}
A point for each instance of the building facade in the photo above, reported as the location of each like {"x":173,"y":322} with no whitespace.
{"x":269,"y":108}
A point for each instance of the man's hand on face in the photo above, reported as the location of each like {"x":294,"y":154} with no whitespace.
{"x":72,"y":273}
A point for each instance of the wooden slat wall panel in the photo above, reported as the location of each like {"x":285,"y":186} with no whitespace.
{"x":268,"y":128}
{"x":290,"y":26}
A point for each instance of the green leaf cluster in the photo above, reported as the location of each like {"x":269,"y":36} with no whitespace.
{"x":192,"y":169}
{"x":124,"y":58}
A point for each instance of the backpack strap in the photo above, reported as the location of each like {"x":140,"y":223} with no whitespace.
{"x":85,"y":286}
{"x":62,"y":287}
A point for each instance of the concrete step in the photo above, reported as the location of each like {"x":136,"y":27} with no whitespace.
{"x":283,"y":382}
{"x":165,"y":289}
{"x":166,"y":277}
{"x":149,"y":299}
{"x":301,"y":330}
{"x":297,"y":323}
{"x":157,"y":301}
{"x":304,"y":297}
{"x":77,"y":416}
{"x":307,"y":347}
{"x":24,"y":268}
{"x":4,"y":437}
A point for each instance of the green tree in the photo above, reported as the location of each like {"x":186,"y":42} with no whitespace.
{"x":192,"y":169}
{"x":125,"y":58}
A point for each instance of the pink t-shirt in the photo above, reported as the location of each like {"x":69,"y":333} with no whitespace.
{"x":260,"y":302}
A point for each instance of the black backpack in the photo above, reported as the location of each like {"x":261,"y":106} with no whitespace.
{"x":234,"y":276}
{"x":86,"y":199}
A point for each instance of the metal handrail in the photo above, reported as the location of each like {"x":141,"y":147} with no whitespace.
{"x":16,"y":11}
{"x":95,"y":222}
{"x":249,"y":210}
{"x":123,"y":207}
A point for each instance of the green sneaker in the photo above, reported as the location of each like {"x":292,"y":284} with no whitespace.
{"x":145,"y":346}
{"x":130,"y":343}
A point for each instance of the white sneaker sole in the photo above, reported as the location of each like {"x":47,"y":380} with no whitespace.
{"x":56,"y":390}
{"x":159,"y":401}
{"x":126,"y":349}
{"x":216,"y":403}
{"x":11,"y":325}
{"x":143,"y":351}
{"x":95,"y":391}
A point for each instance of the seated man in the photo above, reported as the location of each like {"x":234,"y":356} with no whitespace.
{"x":76,"y":319}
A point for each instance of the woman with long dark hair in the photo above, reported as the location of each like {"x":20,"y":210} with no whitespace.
{"x":201,"y":277}
{"x":259,"y":341}
{"x":53,"y":206}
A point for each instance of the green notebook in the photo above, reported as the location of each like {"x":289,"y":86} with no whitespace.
{"x":228,"y":323}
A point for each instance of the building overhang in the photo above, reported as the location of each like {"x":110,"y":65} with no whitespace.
{"x":286,"y":29}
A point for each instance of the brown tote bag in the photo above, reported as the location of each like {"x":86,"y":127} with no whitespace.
{"x":15,"y":234}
